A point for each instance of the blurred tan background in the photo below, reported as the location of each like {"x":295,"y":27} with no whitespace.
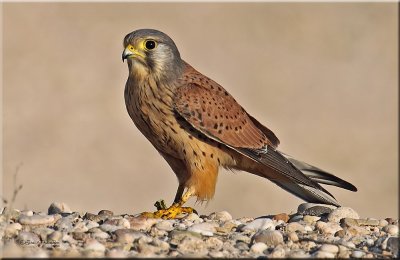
{"x":322,"y":76}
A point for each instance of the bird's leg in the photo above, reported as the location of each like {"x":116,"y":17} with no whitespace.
{"x":176,"y":208}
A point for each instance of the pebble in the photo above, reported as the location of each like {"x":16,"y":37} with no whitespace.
{"x":127,"y":236}
{"x":12,"y":229}
{"x":193,"y":247}
{"x":221,"y":216}
{"x":357,"y":254}
{"x":259,"y":224}
{"x":282,"y":216}
{"x":314,"y":209}
{"x":206,"y":228}
{"x":36,"y":220}
{"x":383,"y":222}
{"x":311,"y":219}
{"x":328,"y":227}
{"x":342,"y":212}
{"x":141,"y":223}
{"x":293,"y":236}
{"x":329,"y":248}
{"x":392,"y":230}
{"x":167,"y":225}
{"x":323,"y":254}
{"x":269,"y":237}
{"x":294,"y":226}
{"x":109,"y":228}
{"x":393,"y":245}
{"x":58,"y":208}
{"x":258,"y":248}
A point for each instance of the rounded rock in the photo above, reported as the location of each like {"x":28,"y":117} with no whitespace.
{"x":323,"y":254}
{"x":109,"y":228}
{"x":294,"y":226}
{"x":141,"y":223}
{"x":383,"y":222}
{"x":94,"y":248}
{"x":258,"y":248}
{"x":167,"y":225}
{"x":293,"y":236}
{"x":214,"y":244}
{"x":269,"y":237}
{"x":105,"y":212}
{"x":221,"y":216}
{"x":259,"y":224}
{"x":318,"y":208}
{"x":206,"y":228}
{"x":342,"y":212}
{"x":12,"y":229}
{"x":391,"y":230}
{"x":127,"y":236}
{"x":36,"y":220}
{"x":311,"y":219}
{"x":58,"y":208}
{"x":329,"y":248}
{"x":357,"y":254}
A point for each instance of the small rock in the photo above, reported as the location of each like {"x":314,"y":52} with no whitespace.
{"x":166,"y":225}
{"x":206,"y":228}
{"x":12,"y":229}
{"x":193,"y":217}
{"x":314,"y":209}
{"x":269,"y":237}
{"x":216,"y":254}
{"x":393,"y":245}
{"x":392,"y":230}
{"x":294,"y":226}
{"x":342,"y":212}
{"x":105,"y":212}
{"x":311,"y":219}
{"x":221,"y":216}
{"x":90,"y":224}
{"x":109,"y":228}
{"x":259,"y":224}
{"x":100,"y":235}
{"x":28,"y":213}
{"x":141,"y":223}
{"x":36,"y":220}
{"x":329,"y":248}
{"x":357,"y":254}
{"x":383,"y":222}
{"x":258,"y":248}
{"x":127,"y":236}
{"x":124,"y":223}
{"x":92,"y":217}
{"x":58,"y":208}
{"x":80,"y":227}
{"x":242,"y":246}
{"x":80,"y":236}
{"x":55,"y":236}
{"x":328,"y":228}
{"x":282,"y":216}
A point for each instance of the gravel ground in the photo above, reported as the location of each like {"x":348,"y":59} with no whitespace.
{"x":317,"y":231}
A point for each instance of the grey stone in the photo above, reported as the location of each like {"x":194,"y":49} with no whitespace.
{"x":259,"y":224}
{"x":36,"y":220}
{"x":258,"y":248}
{"x":58,"y":208}
{"x":342,"y":212}
{"x":393,"y":245}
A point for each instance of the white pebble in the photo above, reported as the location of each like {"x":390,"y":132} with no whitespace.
{"x":206,"y":228}
{"x":12,"y":229}
{"x":323,"y":254}
{"x":258,"y":248}
{"x":36,"y":219}
{"x":259,"y":224}
{"x":166,"y":225}
{"x":221,"y":216}
{"x":357,"y":254}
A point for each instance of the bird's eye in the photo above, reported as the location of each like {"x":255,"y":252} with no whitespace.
{"x":150,"y":44}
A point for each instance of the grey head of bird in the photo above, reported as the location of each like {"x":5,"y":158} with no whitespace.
{"x":152,"y":53}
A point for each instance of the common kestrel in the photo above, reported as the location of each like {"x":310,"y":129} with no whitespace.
{"x":198,"y":127}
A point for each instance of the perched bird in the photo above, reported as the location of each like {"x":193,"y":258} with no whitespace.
{"x":198,"y":127}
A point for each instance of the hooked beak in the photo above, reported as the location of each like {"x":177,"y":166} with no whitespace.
{"x":126,"y":54}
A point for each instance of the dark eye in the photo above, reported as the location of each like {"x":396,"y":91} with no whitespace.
{"x":150,"y":44}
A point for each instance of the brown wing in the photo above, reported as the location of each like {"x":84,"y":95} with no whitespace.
{"x":215,"y":112}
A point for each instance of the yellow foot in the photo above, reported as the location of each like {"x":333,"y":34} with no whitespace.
{"x":168,"y":213}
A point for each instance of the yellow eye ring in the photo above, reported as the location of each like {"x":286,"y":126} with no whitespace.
{"x":150,"y":44}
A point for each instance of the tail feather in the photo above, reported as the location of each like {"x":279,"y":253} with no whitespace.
{"x":319,"y":175}
{"x":288,"y":176}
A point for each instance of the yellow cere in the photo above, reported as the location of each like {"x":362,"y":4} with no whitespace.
{"x":134,"y":51}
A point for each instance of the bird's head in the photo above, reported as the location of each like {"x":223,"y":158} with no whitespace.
{"x":152,"y":53}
